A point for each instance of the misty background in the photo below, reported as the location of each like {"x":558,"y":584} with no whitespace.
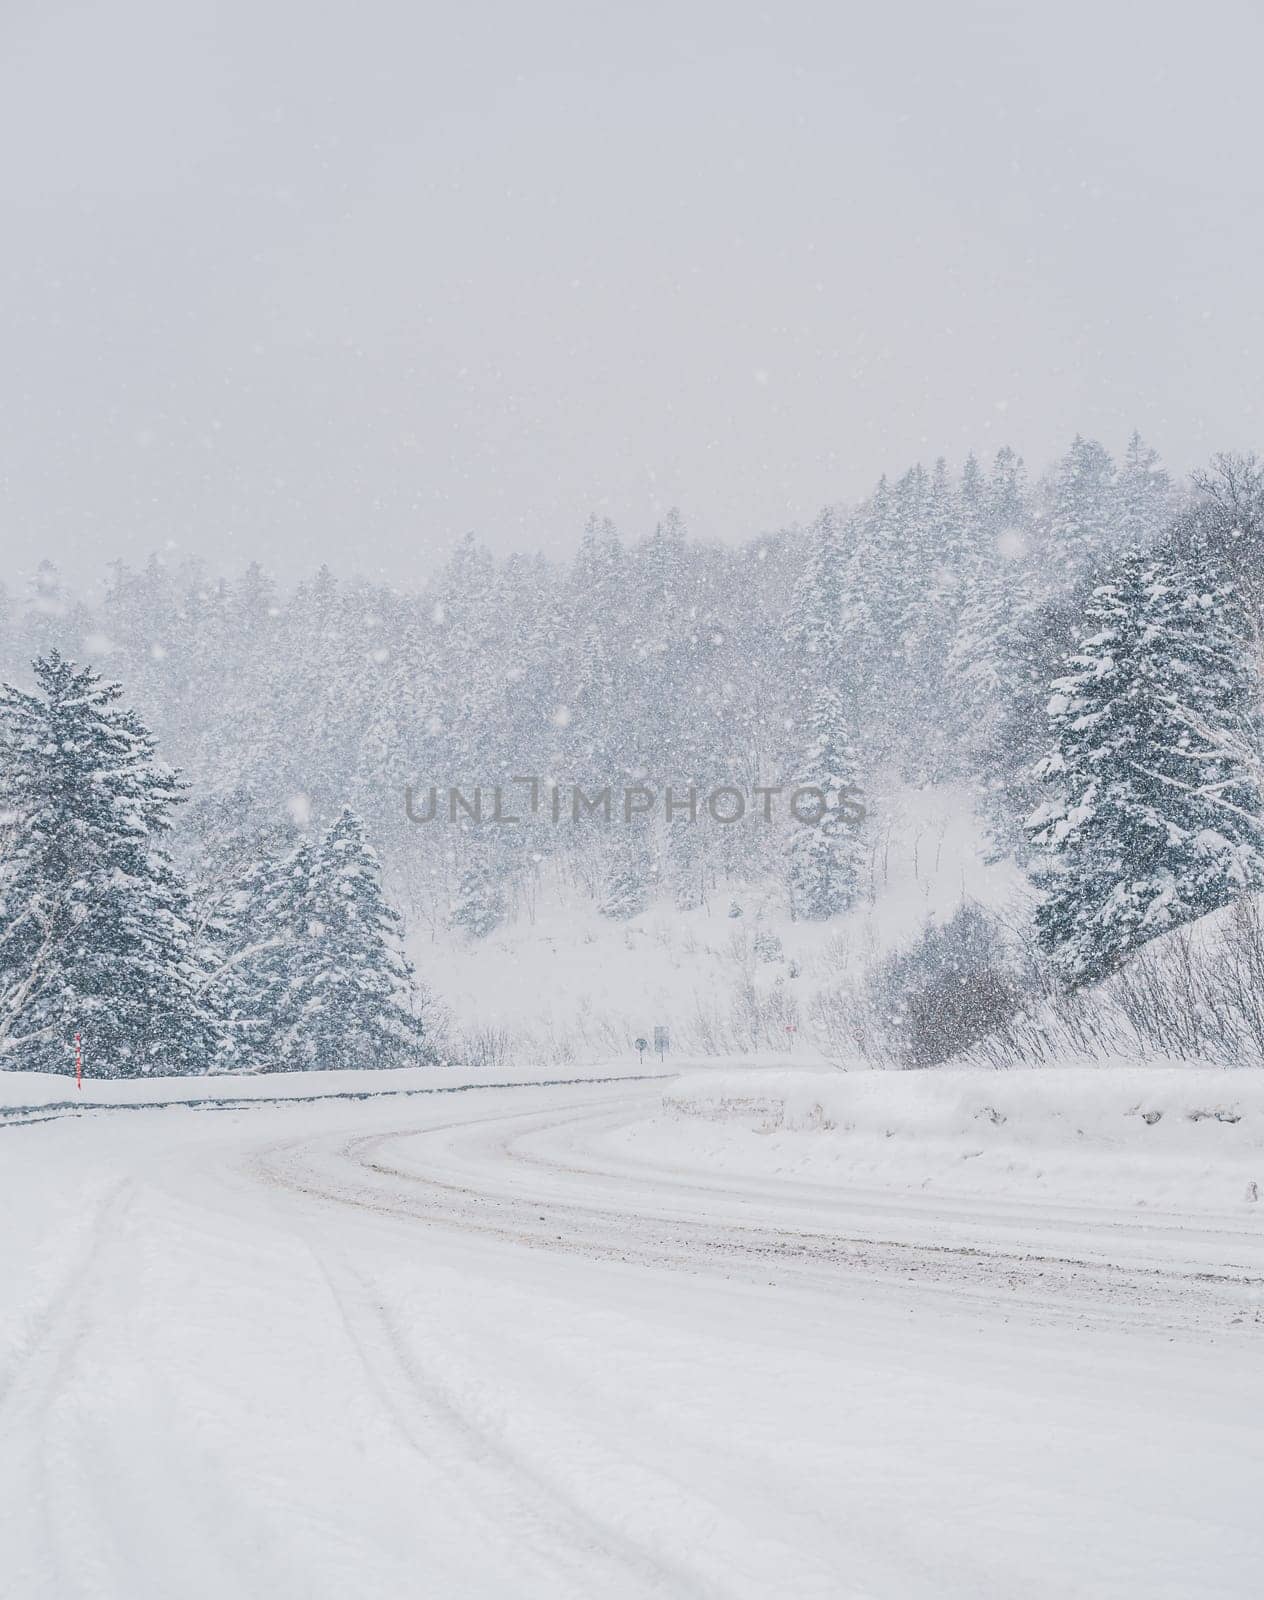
{"x":343,"y":283}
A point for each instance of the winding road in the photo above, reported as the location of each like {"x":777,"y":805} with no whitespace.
{"x":481,"y":1344}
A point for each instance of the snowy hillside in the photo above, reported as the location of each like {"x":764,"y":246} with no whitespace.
{"x":877,"y":788}
{"x":734,"y":975}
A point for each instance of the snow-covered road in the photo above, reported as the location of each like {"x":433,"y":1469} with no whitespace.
{"x":473,"y":1345}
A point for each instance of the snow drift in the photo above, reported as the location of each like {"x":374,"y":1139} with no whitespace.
{"x":1155,"y":1135}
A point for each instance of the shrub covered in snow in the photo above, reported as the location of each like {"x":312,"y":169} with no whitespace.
{"x":1196,"y":995}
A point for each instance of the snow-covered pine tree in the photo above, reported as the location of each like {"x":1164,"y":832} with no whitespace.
{"x":248,"y":953}
{"x":1082,"y":526}
{"x":994,"y":522}
{"x":948,"y":554}
{"x":825,"y":858}
{"x":351,"y":998}
{"x":591,"y":671}
{"x":824,"y":610}
{"x":623,"y":891}
{"x":627,"y":873}
{"x":94,"y":920}
{"x":877,"y":564}
{"x":877,"y":606}
{"x":687,"y":857}
{"x":1153,"y":819}
{"x":1031,"y":650}
{"x":478,"y":906}
{"x":1144,"y":493}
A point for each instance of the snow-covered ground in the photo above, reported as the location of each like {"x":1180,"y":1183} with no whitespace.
{"x":544,"y":1341}
{"x":1183,"y":1137}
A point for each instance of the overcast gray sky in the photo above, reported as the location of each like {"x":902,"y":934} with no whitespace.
{"x":313,"y":281}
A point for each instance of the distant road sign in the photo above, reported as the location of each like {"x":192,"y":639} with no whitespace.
{"x":662,"y":1041}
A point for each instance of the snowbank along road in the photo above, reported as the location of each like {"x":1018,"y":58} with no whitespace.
{"x":474,"y":1345}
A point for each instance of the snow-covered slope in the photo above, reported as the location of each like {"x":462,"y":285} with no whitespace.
{"x":567,"y":983}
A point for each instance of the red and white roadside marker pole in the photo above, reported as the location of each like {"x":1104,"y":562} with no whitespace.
{"x":79,"y":1062}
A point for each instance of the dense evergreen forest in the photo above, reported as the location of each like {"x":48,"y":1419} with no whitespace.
{"x":1081,"y":651}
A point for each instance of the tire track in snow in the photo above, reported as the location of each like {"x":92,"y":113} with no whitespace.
{"x":1051,"y":1283}
{"x":543,"y":1516}
{"x":546,"y":1514}
{"x":39,"y":1340}
{"x":1001,"y":1217}
{"x":61,"y":1436}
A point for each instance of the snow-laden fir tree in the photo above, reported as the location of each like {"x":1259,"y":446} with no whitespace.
{"x":1088,"y":523}
{"x":826,"y":613}
{"x":478,"y":906}
{"x":95,"y":935}
{"x":249,"y":953}
{"x":625,"y":883}
{"x":1082,"y":522}
{"x":948,"y":561}
{"x":1144,"y":493}
{"x":1153,"y":818}
{"x":687,"y":861}
{"x":992,"y":521}
{"x":351,"y":997}
{"x":826,"y":857}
